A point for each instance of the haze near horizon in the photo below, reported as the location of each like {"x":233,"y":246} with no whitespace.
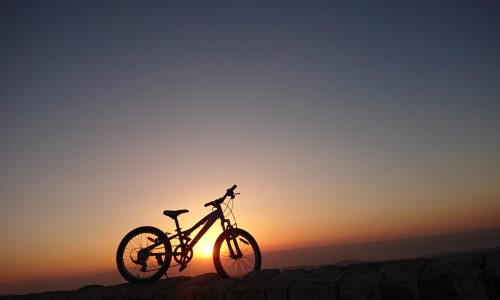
{"x":339,"y":121}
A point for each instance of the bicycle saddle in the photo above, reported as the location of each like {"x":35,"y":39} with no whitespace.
{"x":174,"y":213}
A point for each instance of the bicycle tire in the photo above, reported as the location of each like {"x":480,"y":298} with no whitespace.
{"x":228,"y":267}
{"x":136,"y":236}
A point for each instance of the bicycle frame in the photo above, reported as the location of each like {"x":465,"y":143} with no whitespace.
{"x":208,"y":220}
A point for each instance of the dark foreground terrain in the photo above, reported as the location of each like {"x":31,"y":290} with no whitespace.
{"x":467,"y":275}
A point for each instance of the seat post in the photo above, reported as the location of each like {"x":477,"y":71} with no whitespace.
{"x":177,"y":225}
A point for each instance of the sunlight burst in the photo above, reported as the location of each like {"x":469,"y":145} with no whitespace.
{"x":206,"y":250}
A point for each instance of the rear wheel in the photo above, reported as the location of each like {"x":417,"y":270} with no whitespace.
{"x":231,"y":263}
{"x":138,"y":263}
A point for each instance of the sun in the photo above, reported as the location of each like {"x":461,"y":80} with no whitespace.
{"x":206,"y":250}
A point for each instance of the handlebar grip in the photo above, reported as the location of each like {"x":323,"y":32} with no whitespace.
{"x":230,"y":192}
{"x":208,"y":204}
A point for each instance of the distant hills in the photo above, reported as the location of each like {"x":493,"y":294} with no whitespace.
{"x":384,"y":250}
{"x":307,"y":258}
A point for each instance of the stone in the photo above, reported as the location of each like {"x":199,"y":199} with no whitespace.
{"x":276,"y":291}
{"x":253,"y":286}
{"x":247,"y":291}
{"x":365,"y":285}
{"x":289,"y":276}
{"x":458,"y":276}
{"x":492,"y":273}
{"x":325,"y":275}
{"x":305,"y":291}
{"x":400,"y":279}
{"x":319,"y":283}
{"x":215,"y":289}
{"x":261,"y":275}
{"x":204,"y":278}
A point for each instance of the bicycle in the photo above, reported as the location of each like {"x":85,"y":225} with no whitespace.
{"x":145,"y":253}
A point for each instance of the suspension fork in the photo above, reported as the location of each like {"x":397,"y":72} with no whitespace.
{"x":232,"y":242}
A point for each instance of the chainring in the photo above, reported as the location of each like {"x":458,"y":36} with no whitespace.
{"x":181,"y":258}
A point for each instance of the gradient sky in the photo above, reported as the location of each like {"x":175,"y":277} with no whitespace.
{"x":340,"y":121}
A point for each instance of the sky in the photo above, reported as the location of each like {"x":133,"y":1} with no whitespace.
{"x":340,"y":121}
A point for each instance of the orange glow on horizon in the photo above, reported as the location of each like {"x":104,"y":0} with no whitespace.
{"x":299,"y":226}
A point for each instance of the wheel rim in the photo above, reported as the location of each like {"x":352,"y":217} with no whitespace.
{"x":140,"y":263}
{"x":238,"y":267}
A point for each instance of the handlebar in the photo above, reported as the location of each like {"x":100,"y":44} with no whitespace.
{"x":229,"y":192}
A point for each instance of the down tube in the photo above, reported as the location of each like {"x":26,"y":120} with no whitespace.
{"x":211,"y":218}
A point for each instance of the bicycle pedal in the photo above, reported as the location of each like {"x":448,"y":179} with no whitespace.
{"x":183,"y":266}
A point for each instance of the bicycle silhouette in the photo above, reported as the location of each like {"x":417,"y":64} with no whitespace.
{"x":145,"y":253}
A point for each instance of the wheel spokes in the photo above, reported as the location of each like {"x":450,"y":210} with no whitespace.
{"x":241,"y":265}
{"x":142,"y":265}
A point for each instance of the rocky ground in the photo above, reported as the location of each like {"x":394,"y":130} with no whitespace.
{"x":473,"y":275}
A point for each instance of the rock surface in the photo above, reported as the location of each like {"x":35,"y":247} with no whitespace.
{"x":473,"y":275}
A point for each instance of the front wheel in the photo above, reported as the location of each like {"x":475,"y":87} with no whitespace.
{"x":236,"y":254}
{"x":144,"y":255}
